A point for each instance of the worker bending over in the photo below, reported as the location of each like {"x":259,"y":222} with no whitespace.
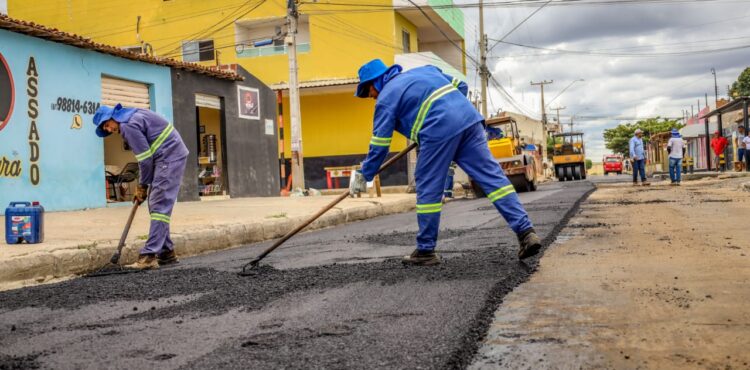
{"x":161,"y":156}
{"x":431,"y":109}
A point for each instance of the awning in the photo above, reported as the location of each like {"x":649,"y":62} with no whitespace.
{"x":697,"y":130}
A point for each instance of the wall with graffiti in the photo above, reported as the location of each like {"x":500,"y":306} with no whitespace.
{"x":48,"y":95}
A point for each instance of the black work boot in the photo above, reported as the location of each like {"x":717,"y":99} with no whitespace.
{"x":530,"y":244}
{"x":421,"y":258}
{"x":167,"y":258}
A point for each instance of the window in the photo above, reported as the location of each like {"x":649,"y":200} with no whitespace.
{"x":198,"y":51}
{"x":406,"y":41}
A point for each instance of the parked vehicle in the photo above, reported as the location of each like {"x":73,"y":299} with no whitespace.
{"x":612,"y":164}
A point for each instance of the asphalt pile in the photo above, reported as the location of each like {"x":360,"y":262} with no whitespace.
{"x":339,"y":315}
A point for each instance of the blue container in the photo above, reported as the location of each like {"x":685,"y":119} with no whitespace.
{"x":24,"y":221}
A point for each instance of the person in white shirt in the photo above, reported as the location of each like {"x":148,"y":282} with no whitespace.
{"x":746,"y":140}
{"x":675,"y":148}
{"x":739,"y":143}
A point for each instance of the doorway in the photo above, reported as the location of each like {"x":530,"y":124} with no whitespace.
{"x":120,"y":166}
{"x":212,"y":160}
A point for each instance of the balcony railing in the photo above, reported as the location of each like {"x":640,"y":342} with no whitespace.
{"x":264,"y":51}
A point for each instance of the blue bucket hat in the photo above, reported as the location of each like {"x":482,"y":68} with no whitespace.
{"x":368,"y":73}
{"x":104,"y":113}
{"x":675,"y":132}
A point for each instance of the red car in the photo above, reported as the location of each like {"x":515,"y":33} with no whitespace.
{"x":612,"y":163}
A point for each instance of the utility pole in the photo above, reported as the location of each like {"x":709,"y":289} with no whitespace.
{"x":707,"y":101}
{"x":298,"y":168}
{"x":544,"y":111}
{"x":483,"y":70}
{"x":558,"y":109}
{"x":571,"y":124}
{"x":716,"y":88}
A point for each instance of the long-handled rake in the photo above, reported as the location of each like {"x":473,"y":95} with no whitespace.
{"x":247,"y":269}
{"x":113,"y":267}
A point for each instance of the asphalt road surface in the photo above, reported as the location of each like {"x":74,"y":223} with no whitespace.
{"x":335,"y":298}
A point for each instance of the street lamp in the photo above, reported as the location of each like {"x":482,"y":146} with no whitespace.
{"x":563,"y":90}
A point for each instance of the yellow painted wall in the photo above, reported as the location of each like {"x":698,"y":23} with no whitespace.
{"x":404,"y":24}
{"x":339,"y":42}
{"x":335,"y":124}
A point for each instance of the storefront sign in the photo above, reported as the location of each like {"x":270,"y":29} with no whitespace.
{"x":7,"y":93}
{"x":32,"y":90}
{"x":269,"y":127}
{"x":249,"y":102}
{"x":10,"y":168}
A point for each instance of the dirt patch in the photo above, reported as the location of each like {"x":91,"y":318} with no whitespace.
{"x":664,"y":288}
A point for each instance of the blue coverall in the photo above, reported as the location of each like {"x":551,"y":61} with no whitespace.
{"x":430,"y":108}
{"x":161,"y":156}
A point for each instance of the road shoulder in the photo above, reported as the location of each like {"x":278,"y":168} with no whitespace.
{"x":634,"y":282}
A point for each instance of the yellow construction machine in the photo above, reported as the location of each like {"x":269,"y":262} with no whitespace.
{"x":507,"y":149}
{"x":569,"y":156}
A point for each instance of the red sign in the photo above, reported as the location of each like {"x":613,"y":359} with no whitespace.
{"x":7,"y":93}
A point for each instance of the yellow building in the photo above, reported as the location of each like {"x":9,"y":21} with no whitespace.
{"x":333,"y":41}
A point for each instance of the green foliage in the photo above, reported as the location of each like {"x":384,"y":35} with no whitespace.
{"x":589,"y":164}
{"x":617,"y":138}
{"x":741,"y":87}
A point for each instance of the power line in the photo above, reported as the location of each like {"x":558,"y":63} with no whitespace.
{"x":628,"y":55}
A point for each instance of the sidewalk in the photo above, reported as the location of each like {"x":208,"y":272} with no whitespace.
{"x":643,"y":277}
{"x":82,"y":241}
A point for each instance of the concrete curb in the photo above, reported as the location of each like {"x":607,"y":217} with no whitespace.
{"x":64,"y":263}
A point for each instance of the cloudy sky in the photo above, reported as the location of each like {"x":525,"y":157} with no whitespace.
{"x":628,"y":80}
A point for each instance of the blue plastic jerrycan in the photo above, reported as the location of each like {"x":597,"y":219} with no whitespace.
{"x":24,"y":222}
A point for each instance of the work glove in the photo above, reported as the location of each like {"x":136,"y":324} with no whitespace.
{"x":141,"y":193}
{"x":357,"y":183}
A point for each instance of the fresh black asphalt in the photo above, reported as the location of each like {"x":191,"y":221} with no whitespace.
{"x":335,"y":298}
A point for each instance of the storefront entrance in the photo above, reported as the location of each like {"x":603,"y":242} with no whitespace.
{"x":212,"y":174}
{"x":120,"y":166}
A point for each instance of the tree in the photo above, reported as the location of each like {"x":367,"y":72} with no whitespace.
{"x":617,"y":139}
{"x":741,"y":87}
{"x":589,"y":164}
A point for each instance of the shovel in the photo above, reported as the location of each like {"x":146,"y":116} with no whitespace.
{"x":113,"y":267}
{"x":247,"y":269}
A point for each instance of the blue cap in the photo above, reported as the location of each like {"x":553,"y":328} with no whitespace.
{"x":367,"y":73}
{"x":675,"y":132}
{"x":104,"y":114}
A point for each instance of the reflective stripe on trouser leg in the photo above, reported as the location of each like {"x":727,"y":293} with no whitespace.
{"x":475,"y":158}
{"x":161,"y":200}
{"x":433,"y":162}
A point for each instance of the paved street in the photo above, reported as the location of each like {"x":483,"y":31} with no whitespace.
{"x":337,"y":298}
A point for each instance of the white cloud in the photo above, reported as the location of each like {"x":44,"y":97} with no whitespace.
{"x":615,"y":86}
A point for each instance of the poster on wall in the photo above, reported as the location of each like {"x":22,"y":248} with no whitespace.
{"x":249,"y":102}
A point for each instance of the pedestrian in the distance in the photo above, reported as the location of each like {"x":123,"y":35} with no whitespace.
{"x":746,"y":140}
{"x":739,"y":143}
{"x":675,"y":148}
{"x":161,"y":157}
{"x":431,"y":108}
{"x":638,"y":156}
{"x":718,"y":144}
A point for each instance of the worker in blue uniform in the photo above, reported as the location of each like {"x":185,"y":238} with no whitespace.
{"x":161,"y":156}
{"x":431,"y":109}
